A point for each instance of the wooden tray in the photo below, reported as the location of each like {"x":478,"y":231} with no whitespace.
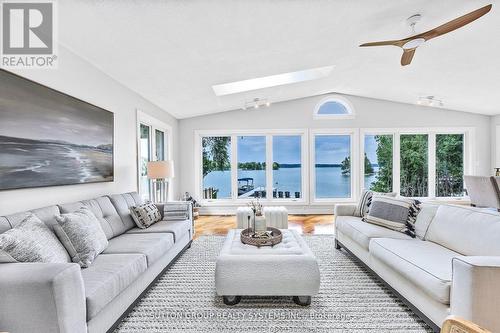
{"x":248,"y":237}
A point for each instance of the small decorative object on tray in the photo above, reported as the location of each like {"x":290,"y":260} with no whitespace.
{"x":270,"y":237}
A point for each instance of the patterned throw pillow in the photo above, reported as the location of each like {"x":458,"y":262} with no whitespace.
{"x":365,"y":201}
{"x":31,"y":241}
{"x":145,"y":215}
{"x":398,"y":214}
{"x":82,"y":235}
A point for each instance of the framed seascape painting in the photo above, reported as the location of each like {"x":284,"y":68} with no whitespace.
{"x":48,"y":138}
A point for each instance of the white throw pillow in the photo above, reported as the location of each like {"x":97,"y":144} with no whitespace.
{"x":145,"y":215}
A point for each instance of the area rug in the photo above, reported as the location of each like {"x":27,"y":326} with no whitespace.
{"x":351,"y":299}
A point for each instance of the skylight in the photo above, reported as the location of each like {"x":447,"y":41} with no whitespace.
{"x":272,"y":81}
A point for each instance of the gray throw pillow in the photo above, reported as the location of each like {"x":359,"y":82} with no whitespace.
{"x":82,"y":235}
{"x":366,"y":199}
{"x":145,"y":215}
{"x":398,"y":214}
{"x":31,"y":241}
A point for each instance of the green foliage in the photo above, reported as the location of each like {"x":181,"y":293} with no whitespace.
{"x":216,"y":154}
{"x":368,"y":166}
{"x":449,"y":165}
{"x":252,"y":166}
{"x":345,"y":166}
{"x":383,"y":179}
{"x":413,"y":169}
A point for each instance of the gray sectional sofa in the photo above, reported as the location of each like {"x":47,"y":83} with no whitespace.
{"x":43,"y":297}
{"x":451,"y":267}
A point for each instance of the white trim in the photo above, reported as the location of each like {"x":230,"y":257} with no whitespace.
{"x":154,"y":124}
{"x":338,"y":99}
{"x":354,"y":134}
{"x":269,"y":133}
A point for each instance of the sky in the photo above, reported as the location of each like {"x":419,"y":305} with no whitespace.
{"x":371,"y":148}
{"x":330,"y":149}
{"x":31,"y":111}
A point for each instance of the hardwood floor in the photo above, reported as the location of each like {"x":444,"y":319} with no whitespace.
{"x":304,"y":224}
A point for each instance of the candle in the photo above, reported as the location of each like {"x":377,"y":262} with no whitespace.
{"x":260,"y":224}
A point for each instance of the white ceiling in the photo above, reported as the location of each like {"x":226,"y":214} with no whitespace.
{"x":172,"y":52}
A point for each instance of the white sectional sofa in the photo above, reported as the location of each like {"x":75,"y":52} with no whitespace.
{"x":451,"y":267}
{"x":62,"y":297}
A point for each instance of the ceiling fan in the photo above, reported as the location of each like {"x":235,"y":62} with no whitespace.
{"x":410,"y":44}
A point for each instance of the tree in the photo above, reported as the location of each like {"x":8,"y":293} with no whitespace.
{"x":368,"y":166}
{"x":383,"y":179}
{"x":449,"y":165}
{"x":215,"y":154}
{"x":346,"y":166}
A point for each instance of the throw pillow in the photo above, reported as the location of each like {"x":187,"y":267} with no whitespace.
{"x":365,"y":201}
{"x":82,"y":235}
{"x":398,"y":214}
{"x":31,"y":241}
{"x":145,"y":215}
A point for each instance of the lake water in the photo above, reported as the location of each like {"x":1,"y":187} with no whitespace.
{"x":330,"y":181}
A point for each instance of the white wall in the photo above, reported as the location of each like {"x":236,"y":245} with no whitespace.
{"x":495,"y":143}
{"x":77,"y":77}
{"x":370,"y":113}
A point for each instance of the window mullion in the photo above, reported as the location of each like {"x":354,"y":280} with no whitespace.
{"x":396,"y":163}
{"x":234,"y":167}
{"x":269,"y":167}
{"x":432,"y":166}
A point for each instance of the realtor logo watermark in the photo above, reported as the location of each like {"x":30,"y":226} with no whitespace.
{"x":28,"y":34}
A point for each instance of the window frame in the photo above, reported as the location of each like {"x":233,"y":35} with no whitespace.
{"x":337,"y":99}
{"x":468,"y":154}
{"x":154,"y":124}
{"x":234,"y":134}
{"x":354,"y":134}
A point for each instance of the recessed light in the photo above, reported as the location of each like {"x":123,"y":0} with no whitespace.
{"x":271,"y":81}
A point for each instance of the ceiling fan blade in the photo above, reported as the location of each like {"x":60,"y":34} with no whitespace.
{"x":454,"y":24}
{"x":407,"y":56}
{"x":387,"y":42}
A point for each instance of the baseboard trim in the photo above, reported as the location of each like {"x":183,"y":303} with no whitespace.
{"x":433,"y":326}
{"x":119,"y":320}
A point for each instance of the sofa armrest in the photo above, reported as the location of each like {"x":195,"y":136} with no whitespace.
{"x":475,"y":291}
{"x":344,"y":209}
{"x":42,"y":297}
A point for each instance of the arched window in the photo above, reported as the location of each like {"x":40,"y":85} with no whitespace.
{"x":334,"y":107}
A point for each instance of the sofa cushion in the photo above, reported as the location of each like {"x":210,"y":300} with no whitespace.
{"x":424,"y":219}
{"x":82,"y":235}
{"x":427,"y":265}
{"x":45,"y":214}
{"x":105,"y":212}
{"x":177,"y":228}
{"x":108,"y":276}
{"x":362,"y":232}
{"x":152,"y":245}
{"x":468,"y":231}
{"x":122,"y":203}
{"x":145,"y":215}
{"x":31,"y":241}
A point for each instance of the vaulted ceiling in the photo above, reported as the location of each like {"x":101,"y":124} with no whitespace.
{"x":173,"y":52}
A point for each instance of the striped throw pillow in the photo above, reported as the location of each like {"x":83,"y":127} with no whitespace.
{"x":397,"y":214}
{"x":365,"y":201}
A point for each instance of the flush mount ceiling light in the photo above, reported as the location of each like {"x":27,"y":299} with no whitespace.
{"x":271,"y":81}
{"x":256,"y":103}
{"x":429,"y":101}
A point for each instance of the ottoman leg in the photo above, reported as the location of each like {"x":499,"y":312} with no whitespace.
{"x":337,"y":245}
{"x":231,"y":300}
{"x":302,"y":300}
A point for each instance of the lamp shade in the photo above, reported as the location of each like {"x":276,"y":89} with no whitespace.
{"x":160,"y":169}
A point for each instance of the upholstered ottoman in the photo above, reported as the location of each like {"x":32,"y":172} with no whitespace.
{"x":276,"y":216}
{"x":286,"y":269}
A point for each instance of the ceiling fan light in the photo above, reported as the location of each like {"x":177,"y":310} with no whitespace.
{"x":413,"y":43}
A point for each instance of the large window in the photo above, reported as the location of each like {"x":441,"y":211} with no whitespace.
{"x":332,"y":167}
{"x":414,"y":173}
{"x":287,"y":167}
{"x":378,"y":158}
{"x":449,"y":165}
{"x":216,"y":151}
{"x":252,"y":166}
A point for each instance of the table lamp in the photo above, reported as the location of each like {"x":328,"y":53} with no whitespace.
{"x":160,"y":172}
